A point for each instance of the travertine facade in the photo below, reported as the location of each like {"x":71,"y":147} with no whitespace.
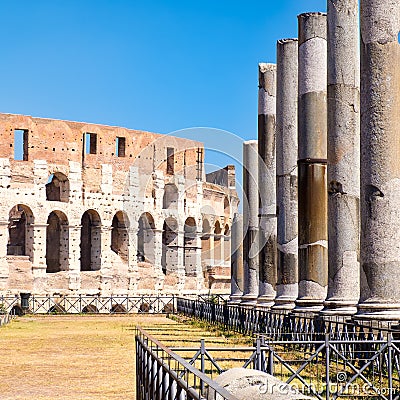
{"x":97,"y":209}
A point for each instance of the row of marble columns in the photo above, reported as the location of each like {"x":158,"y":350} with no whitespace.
{"x":322,"y":219}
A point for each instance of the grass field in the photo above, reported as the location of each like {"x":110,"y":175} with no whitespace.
{"x":84,"y":357}
{"x":70,"y":357}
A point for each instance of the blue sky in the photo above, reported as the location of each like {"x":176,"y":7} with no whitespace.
{"x":160,"y":66}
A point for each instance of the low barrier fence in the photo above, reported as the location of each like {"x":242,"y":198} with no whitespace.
{"x":88,"y":304}
{"x":282,"y":326}
{"x":325,"y":369}
{"x":162,"y":374}
{"x":5,"y":318}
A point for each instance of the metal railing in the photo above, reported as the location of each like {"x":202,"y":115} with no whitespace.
{"x":326,"y":369}
{"x":5,"y":318}
{"x":282,"y":326}
{"x":162,"y":374}
{"x":89,"y":304}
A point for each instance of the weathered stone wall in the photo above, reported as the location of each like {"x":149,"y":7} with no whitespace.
{"x":85,"y":208}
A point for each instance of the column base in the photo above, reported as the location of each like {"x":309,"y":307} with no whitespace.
{"x":265,"y":302}
{"x":284,"y":303}
{"x":235,"y":299}
{"x":378,"y":311}
{"x":339,"y":307}
{"x":304,"y":306}
{"x":248,"y":300}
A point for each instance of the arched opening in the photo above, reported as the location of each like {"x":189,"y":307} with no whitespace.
{"x":226,"y":207}
{"x":205,"y":244}
{"x":170,"y":198}
{"x":118,"y":309}
{"x":20,"y":220}
{"x":217,"y":243}
{"x":57,"y":242}
{"x":90,"y":241}
{"x":57,"y":188}
{"x":145,"y":244}
{"x":190,"y":247}
{"x":227,"y":245}
{"x":120,"y":235}
{"x":169,"y":257}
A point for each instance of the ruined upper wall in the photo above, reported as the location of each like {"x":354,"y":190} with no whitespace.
{"x":59,"y":142}
{"x":223,"y":177}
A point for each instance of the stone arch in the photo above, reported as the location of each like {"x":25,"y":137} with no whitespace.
{"x":217,"y":243}
{"x":145,"y":238}
{"x":20,"y":221}
{"x":190,"y":246}
{"x":170,"y":198}
{"x":120,"y":235}
{"x":205,"y":244}
{"x":169,"y":257}
{"x":57,"y":242}
{"x":90,"y":241}
{"x":57,"y":187}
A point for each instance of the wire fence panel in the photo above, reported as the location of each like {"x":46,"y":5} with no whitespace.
{"x":162,"y":374}
{"x":88,"y":304}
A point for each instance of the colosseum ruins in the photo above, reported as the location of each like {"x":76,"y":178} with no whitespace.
{"x":95,"y":209}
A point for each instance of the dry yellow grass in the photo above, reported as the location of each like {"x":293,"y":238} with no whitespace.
{"x":70,"y":357}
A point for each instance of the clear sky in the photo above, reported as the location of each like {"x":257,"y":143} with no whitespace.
{"x":159,"y":66}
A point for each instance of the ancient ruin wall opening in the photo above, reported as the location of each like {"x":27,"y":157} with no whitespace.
{"x":21,"y":144}
{"x":190,"y":247}
{"x":170,"y":198}
{"x":146,"y":237}
{"x":227,"y":245}
{"x":217,"y":244}
{"x":90,"y":241}
{"x":226,"y":207}
{"x":57,"y":242}
{"x":57,"y":188}
{"x":205,"y":244}
{"x":120,"y":235}
{"x":20,"y":236}
{"x":169,"y":256}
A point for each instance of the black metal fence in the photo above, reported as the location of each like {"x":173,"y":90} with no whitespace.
{"x":282,"y":326}
{"x":161,"y":374}
{"x":33,"y":304}
{"x":325,"y":369}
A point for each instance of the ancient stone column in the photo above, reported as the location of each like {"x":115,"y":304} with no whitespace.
{"x":312,"y":154}
{"x":250,"y":223}
{"x":343,"y":157}
{"x":380,"y":159}
{"x":39,"y":257}
{"x":133,"y":271}
{"x":4,"y":268}
{"x":158,"y":274}
{"x":286,"y":173}
{"x":236,"y":259}
{"x":74,"y":253}
{"x":267,"y":183}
